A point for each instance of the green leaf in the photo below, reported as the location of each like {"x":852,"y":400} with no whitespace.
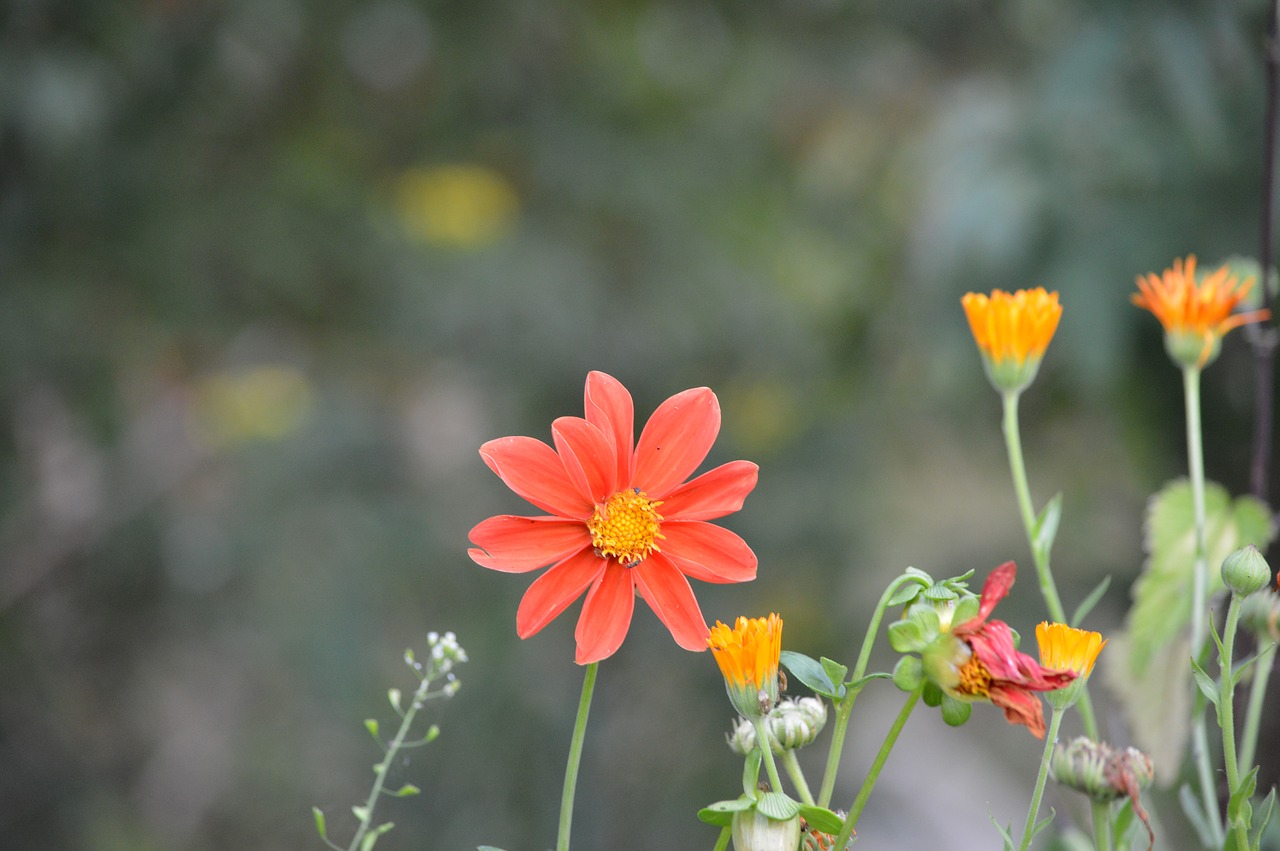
{"x":1208,"y":685}
{"x":777,"y":805}
{"x":1007,"y":843}
{"x":320,"y":825}
{"x":1095,"y":596}
{"x":834,"y":670}
{"x":1044,"y":822}
{"x":1195,"y":815}
{"x":1146,"y":663}
{"x":821,"y":819}
{"x":371,"y":838}
{"x":371,"y":724}
{"x":1264,"y":814}
{"x":405,"y":791}
{"x":721,"y":812}
{"x":810,"y":672}
{"x":1046,"y":527}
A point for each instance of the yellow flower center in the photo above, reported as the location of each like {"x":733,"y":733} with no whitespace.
{"x":627,"y":527}
{"x":975,"y":679}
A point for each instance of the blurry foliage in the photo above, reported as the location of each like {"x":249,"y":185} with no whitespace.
{"x":271,"y":271}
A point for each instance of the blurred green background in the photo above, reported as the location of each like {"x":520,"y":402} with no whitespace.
{"x":271,"y":271}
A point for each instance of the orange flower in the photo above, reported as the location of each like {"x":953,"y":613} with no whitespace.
{"x":1065,"y":648}
{"x":1012,"y":332}
{"x":624,"y":518}
{"x":1195,"y":315}
{"x":748,"y":657}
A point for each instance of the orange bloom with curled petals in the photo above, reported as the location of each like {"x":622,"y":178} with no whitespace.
{"x":1196,"y":315}
{"x":748,"y":656}
{"x":623,"y":521}
{"x":1012,"y":331}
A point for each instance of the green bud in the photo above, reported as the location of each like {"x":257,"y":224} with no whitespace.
{"x":1246,"y":571}
{"x":1102,"y":773}
{"x":754,"y":831}
{"x":793,"y":723}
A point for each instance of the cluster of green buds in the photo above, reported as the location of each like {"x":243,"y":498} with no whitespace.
{"x":1104,"y":773}
{"x":793,"y":724}
{"x":930,"y":610}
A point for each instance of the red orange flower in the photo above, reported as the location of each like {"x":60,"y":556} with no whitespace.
{"x":996,"y":670}
{"x":623,"y":520}
{"x":1012,"y":332}
{"x":1195,"y":315}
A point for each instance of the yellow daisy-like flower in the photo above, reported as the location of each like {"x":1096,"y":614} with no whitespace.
{"x":747,"y":655}
{"x":1195,"y":315}
{"x":1065,"y":648}
{"x":1012,"y":331}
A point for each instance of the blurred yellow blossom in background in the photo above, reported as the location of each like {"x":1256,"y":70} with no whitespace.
{"x":262,"y":403}
{"x":458,"y":206}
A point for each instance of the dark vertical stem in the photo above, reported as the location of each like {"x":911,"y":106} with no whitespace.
{"x":1262,"y":336}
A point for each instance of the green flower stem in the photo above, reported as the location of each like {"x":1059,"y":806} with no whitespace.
{"x":762,"y":744}
{"x":844,"y":706}
{"x":1226,"y":715}
{"x":420,"y":696}
{"x":1033,"y":811}
{"x":792,"y":765}
{"x":1048,"y":588}
{"x":575,"y":757}
{"x":1257,"y":696}
{"x":1101,"y":826}
{"x":723,"y":842}
{"x":855,"y":811}
{"x":1199,"y":591}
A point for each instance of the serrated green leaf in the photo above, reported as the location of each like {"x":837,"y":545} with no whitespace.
{"x":810,"y":672}
{"x":1086,"y":606}
{"x":1146,"y":663}
{"x":320,"y":823}
{"x":777,"y":805}
{"x":1046,"y":527}
{"x":821,"y":819}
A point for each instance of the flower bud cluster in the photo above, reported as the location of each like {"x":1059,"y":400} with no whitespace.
{"x":793,"y":723}
{"x":1100,"y":771}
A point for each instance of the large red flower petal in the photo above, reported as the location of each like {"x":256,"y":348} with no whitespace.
{"x":518,"y":544}
{"x":995,"y":589}
{"x":587,"y":456}
{"x":713,"y":494}
{"x":609,"y":408}
{"x":552,"y":592}
{"x":534,"y":471}
{"x":1020,"y":707}
{"x":676,"y":440}
{"x":707,"y":552}
{"x":606,"y":614}
{"x":667,"y":592}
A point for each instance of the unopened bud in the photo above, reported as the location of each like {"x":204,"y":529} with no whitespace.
{"x":793,"y":723}
{"x":1246,"y":571}
{"x":753,"y":831}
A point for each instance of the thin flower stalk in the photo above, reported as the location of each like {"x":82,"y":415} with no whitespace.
{"x":1033,"y":811}
{"x":1226,"y":716}
{"x":575,"y":758}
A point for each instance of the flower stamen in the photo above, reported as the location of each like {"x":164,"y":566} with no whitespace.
{"x":975,"y":679}
{"x":627,"y":527}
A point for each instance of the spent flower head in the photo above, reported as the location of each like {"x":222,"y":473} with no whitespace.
{"x":1104,"y":773}
{"x":1012,"y":331}
{"x":623,"y":521}
{"x":1196,"y":314}
{"x":747,"y":654}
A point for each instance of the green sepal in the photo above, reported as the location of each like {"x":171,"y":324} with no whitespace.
{"x":721,"y":812}
{"x":371,"y":838}
{"x":916,"y":581}
{"x":906,"y":637}
{"x":908,"y":674}
{"x":966,"y":609}
{"x":320,"y":823}
{"x":939,"y":594}
{"x":821,"y":819}
{"x":955,"y":712}
{"x":1095,"y":596}
{"x":1046,"y":528}
{"x":778,"y":806}
{"x":812,"y":673}
{"x":931,"y":694}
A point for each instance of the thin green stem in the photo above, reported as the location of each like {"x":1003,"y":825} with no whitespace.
{"x":1257,"y":696}
{"x":575,"y":757}
{"x":1101,"y":826}
{"x":723,"y":842}
{"x":381,"y":770}
{"x":1199,"y":592}
{"x":1227,"y":717}
{"x":1033,"y":811}
{"x":844,"y":706}
{"x":1040,"y":555}
{"x":792,"y":765}
{"x":766,"y":752}
{"x":855,"y":811}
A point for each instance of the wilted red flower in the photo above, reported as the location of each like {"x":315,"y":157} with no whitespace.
{"x":996,"y":670}
{"x":623,"y":519}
